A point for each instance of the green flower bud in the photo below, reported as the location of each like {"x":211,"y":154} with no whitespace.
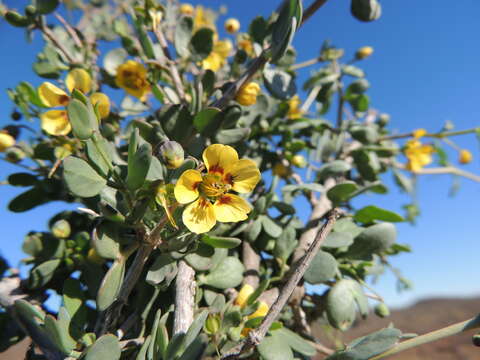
{"x":171,"y":153}
{"x":69,"y":263}
{"x":383,"y":119}
{"x":15,"y":115}
{"x":61,"y":229}
{"x":30,"y":10}
{"x":14,"y":154}
{"x":212,"y":324}
{"x":82,"y":239}
{"x":382,"y":310}
{"x":70,"y":244}
{"x":15,"y":19}
{"x":366,"y":10}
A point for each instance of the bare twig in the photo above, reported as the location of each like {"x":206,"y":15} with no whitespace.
{"x":305,"y":63}
{"x":177,"y":81}
{"x":295,"y":275}
{"x":439,"y":135}
{"x":184,"y":298}
{"x":51,"y":36}
{"x":310,"y":98}
{"x":71,"y":31}
{"x":452,"y":170}
{"x":312,"y":9}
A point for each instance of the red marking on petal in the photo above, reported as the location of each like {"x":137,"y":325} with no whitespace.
{"x":228,"y":178}
{"x":224,"y":200}
{"x":216,"y":168}
{"x":64,"y":99}
{"x":196,"y":185}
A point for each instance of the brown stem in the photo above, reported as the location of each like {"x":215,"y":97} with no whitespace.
{"x":312,"y":9}
{"x":71,"y":31}
{"x":51,"y":36}
{"x":251,"y":260}
{"x":184,"y":298}
{"x":177,"y":81}
{"x":293,"y":278}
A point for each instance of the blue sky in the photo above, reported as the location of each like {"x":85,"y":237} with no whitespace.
{"x":424,"y":71}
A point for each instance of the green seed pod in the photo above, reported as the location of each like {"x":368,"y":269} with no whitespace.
{"x":366,"y":10}
{"x":61,"y":229}
{"x":70,"y":244}
{"x":172,"y":154}
{"x":15,"y":19}
{"x":382,"y":310}
{"x":82,"y":239}
{"x":212,"y":324}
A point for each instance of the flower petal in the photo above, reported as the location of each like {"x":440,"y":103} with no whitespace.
{"x":79,"y":79}
{"x":103,"y":103}
{"x":199,"y":217}
{"x":262,"y":310}
{"x":231,"y":208}
{"x":52,"y":96}
{"x":6,"y":141}
{"x":186,"y":189}
{"x":217,"y":157}
{"x":243,"y":175}
{"x":244,"y":294}
{"x":55,"y":122}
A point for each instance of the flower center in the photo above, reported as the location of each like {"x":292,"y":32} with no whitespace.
{"x":212,"y":186}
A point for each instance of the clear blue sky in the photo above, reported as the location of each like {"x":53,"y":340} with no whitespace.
{"x":425,"y":70}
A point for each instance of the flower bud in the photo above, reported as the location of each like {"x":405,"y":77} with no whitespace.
{"x":172,"y":154}
{"x":299,"y":161}
{"x":15,"y":115}
{"x":383,"y":119}
{"x":418,"y":133}
{"x":476,"y":339}
{"x":14,"y":154}
{"x":382,"y":310}
{"x":247,"y":95}
{"x":366,"y":10}
{"x":212,"y":324}
{"x":61,"y":229}
{"x":6,"y":141}
{"x":232,"y":25}
{"x":465,"y":156}
{"x":281,"y":170}
{"x":186,"y":9}
{"x":364,"y":52}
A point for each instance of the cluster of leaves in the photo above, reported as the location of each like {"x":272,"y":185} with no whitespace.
{"x":119,"y":168}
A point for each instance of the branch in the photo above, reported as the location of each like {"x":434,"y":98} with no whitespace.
{"x":51,"y":36}
{"x":251,"y":260}
{"x":184,"y":298}
{"x":443,"y":170}
{"x":439,"y":135}
{"x":432,"y":336}
{"x":256,"y":336}
{"x":312,"y":9}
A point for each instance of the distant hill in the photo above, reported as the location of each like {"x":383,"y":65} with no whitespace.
{"x":420,"y":318}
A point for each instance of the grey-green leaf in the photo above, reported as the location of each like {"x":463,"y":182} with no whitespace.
{"x":322,"y":268}
{"x":110,"y":285}
{"x":183,"y":34}
{"x":228,"y":273}
{"x":81,"y":178}
{"x":81,"y":118}
{"x":370,"y":213}
{"x":138,"y":166}
{"x":106,"y":347}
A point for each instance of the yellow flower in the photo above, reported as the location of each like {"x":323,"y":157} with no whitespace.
{"x":248,"y":94}
{"x":294,"y":111}
{"x":247,"y":46}
{"x":132,"y":77}
{"x":217,"y":58}
{"x":364,"y":52}
{"x":465,"y":156}
{"x":186,"y":9}
{"x":55,"y":122}
{"x":418,"y":155}
{"x":203,"y":18}
{"x":103,"y":103}
{"x":418,"y":133}
{"x":210,"y":192}
{"x":243,"y":295}
{"x":6,"y":141}
{"x":232,"y":25}
{"x":262,"y":310}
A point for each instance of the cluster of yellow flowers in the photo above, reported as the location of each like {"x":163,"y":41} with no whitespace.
{"x":241,"y":300}
{"x":209,"y":193}
{"x":55,"y":122}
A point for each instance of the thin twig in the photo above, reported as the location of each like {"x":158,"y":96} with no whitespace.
{"x":177,"y":81}
{"x":295,"y":275}
{"x":439,"y":135}
{"x":312,"y":9}
{"x":184,"y":298}
{"x":51,"y":36}
{"x":71,"y":31}
{"x":305,"y":63}
{"x":310,"y":98}
{"x":443,"y":170}
{"x":251,"y":261}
